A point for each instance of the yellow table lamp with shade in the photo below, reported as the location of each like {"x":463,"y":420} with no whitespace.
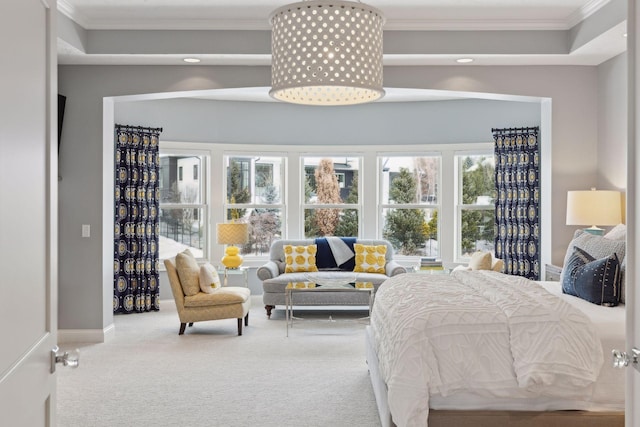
{"x":232,"y":234}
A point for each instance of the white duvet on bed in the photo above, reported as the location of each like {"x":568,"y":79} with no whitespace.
{"x":484,"y":333}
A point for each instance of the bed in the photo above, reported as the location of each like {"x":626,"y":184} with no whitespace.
{"x":439,"y":355}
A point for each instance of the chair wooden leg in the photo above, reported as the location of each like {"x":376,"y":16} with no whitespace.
{"x":246,"y":320}
{"x":182,"y":327}
{"x":269,"y":308}
{"x":191,"y":324}
{"x":240,"y":326}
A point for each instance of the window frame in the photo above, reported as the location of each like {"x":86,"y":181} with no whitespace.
{"x":180,"y":149}
{"x":459,"y":205}
{"x":369,"y":218}
{"x":421,"y":206}
{"x":314,"y":206}
{"x":251,"y":181}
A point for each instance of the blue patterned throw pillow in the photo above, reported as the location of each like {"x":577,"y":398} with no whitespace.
{"x":594,"y":280}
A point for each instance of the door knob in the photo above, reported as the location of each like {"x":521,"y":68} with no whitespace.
{"x":621,"y":359}
{"x":68,"y":358}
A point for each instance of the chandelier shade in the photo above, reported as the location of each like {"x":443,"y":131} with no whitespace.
{"x":326,"y":53}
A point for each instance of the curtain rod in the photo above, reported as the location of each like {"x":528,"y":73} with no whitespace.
{"x":515,"y":129}
{"x":143,"y":128}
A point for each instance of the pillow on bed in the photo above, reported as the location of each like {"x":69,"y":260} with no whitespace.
{"x":480,"y":261}
{"x":370,"y":258}
{"x":619,"y":232}
{"x":593,"y":280}
{"x":300,"y":259}
{"x":598,"y":247}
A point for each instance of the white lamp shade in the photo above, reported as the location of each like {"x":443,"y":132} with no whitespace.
{"x":326,"y":53}
{"x":594,"y":207}
{"x":232,"y":233}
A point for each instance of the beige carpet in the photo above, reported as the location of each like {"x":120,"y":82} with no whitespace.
{"x":147,"y":375}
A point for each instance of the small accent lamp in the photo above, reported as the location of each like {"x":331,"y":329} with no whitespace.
{"x":591,"y":207}
{"x":232,"y":234}
{"x":326,"y":53}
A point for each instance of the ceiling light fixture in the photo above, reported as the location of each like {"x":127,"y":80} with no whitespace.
{"x":326,"y":53}
{"x":191,"y":60}
{"x":464,"y":60}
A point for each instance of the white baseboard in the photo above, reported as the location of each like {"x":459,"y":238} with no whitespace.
{"x":85,"y":335}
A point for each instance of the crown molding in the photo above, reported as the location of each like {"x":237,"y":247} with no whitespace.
{"x":585,"y":11}
{"x":474,"y":25}
{"x":71,"y":12}
{"x":260,"y":25}
{"x":180,"y":24}
{"x":81,"y":19}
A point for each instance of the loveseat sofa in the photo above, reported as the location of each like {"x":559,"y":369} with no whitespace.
{"x":275,"y":279}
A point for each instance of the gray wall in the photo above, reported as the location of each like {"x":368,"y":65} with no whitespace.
{"x":612,"y":124}
{"x":84,"y":283}
{"x":436,"y":122}
{"x":261,"y":123}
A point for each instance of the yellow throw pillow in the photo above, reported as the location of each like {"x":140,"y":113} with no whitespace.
{"x":188,"y":272}
{"x":480,"y":261}
{"x":370,"y":259}
{"x":300,"y":258}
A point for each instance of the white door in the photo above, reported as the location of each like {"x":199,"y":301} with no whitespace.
{"x":632,"y":408}
{"x":28,"y":212}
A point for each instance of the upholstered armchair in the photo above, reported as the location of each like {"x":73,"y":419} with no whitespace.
{"x":224,"y":302}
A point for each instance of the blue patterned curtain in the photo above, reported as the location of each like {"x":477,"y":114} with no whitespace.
{"x":135,"y":260}
{"x":517,"y":181}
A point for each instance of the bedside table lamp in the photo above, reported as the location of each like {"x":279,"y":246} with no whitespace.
{"x":232,"y":234}
{"x":594,"y":207}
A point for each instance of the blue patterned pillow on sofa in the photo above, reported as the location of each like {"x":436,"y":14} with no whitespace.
{"x":594,"y":280}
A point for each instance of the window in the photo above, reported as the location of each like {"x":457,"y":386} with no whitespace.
{"x":409,"y":203}
{"x":182,"y":205}
{"x":331,"y":209}
{"x":264,"y":178}
{"x":475,"y":203}
{"x":436,"y":202}
{"x":255,"y":195}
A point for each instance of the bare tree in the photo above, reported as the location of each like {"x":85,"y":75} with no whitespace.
{"x":328,"y":192}
{"x":189,"y":196}
{"x":426,"y":170}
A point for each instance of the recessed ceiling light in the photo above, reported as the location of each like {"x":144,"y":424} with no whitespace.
{"x":191,"y":60}
{"x":464,"y":60}
{"x":624,"y":35}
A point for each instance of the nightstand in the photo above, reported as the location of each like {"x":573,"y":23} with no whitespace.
{"x":552,"y":273}
{"x":226,"y":272}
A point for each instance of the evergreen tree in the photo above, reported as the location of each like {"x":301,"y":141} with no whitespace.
{"x":236,"y":194}
{"x":404,"y":228}
{"x":477,"y":225}
{"x":348,"y":225}
{"x":310,"y":227}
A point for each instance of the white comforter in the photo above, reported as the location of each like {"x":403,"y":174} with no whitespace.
{"x":481,"y":331}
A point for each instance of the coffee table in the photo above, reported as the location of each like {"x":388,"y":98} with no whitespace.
{"x":295,"y":287}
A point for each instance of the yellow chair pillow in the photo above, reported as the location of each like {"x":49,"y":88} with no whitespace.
{"x":300,"y":259}
{"x":370,"y":258}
